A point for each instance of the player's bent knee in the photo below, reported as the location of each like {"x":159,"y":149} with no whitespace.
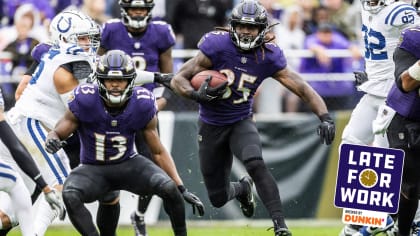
{"x":110,"y":198}
{"x":218,"y":199}
{"x":168,"y":189}
{"x":72,"y":198}
{"x":347,"y":138}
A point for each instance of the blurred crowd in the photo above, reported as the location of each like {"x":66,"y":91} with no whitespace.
{"x":315,"y":25}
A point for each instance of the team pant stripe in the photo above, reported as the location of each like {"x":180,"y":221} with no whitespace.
{"x":47,"y":156}
{"x":8,"y":176}
{"x":5,"y":166}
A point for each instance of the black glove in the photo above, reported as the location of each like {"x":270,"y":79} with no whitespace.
{"x":193,"y":200}
{"x":52,"y":145}
{"x":360,"y":77}
{"x":164,"y":79}
{"x":326,"y":130}
{"x":206,"y":93}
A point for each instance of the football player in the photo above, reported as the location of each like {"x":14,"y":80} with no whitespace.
{"x":226,"y":128}
{"x":403,"y":131}
{"x":108,"y":116}
{"x":149,"y":43}
{"x":16,"y":208}
{"x":383,"y":21}
{"x":44,"y":99}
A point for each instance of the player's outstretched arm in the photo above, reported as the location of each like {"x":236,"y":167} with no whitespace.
{"x":296,"y":84}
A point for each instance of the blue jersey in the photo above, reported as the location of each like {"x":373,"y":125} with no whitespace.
{"x":407,"y":104}
{"x":145,"y":49}
{"x":104,"y":138}
{"x":245,"y":70}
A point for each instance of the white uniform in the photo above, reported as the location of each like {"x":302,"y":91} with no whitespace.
{"x":35,"y":113}
{"x":15,"y":198}
{"x":381,"y":32}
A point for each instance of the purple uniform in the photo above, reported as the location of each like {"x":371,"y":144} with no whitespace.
{"x":109,"y":139}
{"x":407,"y":104}
{"x":245,"y":70}
{"x":144,"y":50}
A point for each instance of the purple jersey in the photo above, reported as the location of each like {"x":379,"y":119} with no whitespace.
{"x":407,"y":104}
{"x":245,"y":70}
{"x":144,"y":50}
{"x":39,"y":50}
{"x":107,"y":139}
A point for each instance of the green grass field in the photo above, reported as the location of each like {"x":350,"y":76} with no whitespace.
{"x":219,"y":228}
{"x":204,"y":231}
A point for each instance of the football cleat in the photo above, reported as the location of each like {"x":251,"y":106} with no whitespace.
{"x":416,"y":229}
{"x":282,"y":232}
{"x":138,"y":224}
{"x":247,"y":200}
{"x":349,"y":230}
{"x":368,"y":230}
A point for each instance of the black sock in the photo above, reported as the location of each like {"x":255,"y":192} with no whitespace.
{"x":143,"y":202}
{"x":107,"y":219}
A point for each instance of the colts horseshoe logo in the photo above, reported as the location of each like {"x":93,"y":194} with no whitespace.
{"x":63,"y":25}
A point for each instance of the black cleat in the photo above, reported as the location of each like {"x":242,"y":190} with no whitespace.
{"x":247,"y":200}
{"x":138,"y":224}
{"x":282,"y":232}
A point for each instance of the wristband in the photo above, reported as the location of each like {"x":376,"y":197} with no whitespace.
{"x":325,"y":117}
{"x":414,"y":71}
{"x":39,"y":180}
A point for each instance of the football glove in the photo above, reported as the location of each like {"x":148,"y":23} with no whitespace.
{"x":56,"y":202}
{"x":163,"y":79}
{"x":206,"y":93}
{"x":360,"y":77}
{"x":326,"y":130}
{"x":193,"y":200}
{"x":52,"y":145}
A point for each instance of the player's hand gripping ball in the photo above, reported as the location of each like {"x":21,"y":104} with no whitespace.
{"x":217,"y":79}
{"x":208,"y":85}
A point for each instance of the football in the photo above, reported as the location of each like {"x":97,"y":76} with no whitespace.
{"x":217,"y":78}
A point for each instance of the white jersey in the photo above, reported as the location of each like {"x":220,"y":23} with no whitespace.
{"x":381,"y":32}
{"x":40,"y":99}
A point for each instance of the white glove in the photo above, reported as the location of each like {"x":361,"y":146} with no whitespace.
{"x":56,"y":202}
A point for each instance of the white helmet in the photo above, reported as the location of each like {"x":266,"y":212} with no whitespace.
{"x":69,"y":25}
{"x":374,"y":6}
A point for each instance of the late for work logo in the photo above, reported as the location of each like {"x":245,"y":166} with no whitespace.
{"x":369,"y":178}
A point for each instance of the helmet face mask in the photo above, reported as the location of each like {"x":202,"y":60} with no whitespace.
{"x":374,"y":6}
{"x":136,"y":22}
{"x":70,"y":26}
{"x":115,"y":65}
{"x":248,"y":12}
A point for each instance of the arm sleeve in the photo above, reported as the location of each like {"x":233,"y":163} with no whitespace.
{"x":20,"y":154}
{"x":31,"y":68}
{"x":403,"y":60}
